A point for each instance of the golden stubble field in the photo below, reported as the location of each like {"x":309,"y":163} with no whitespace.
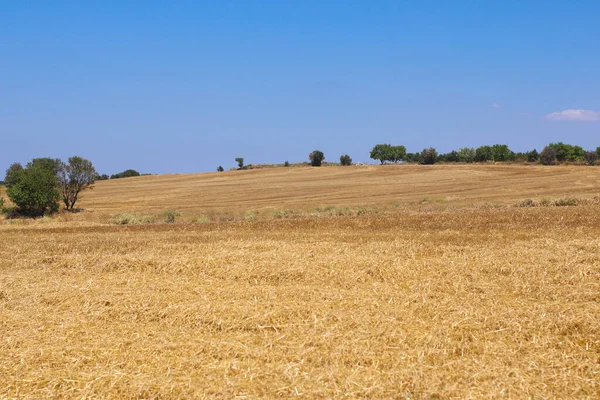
{"x":444,"y":290}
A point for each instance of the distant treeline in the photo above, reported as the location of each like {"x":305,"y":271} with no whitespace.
{"x":125,"y":174}
{"x":551,"y":154}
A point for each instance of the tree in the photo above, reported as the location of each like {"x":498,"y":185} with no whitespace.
{"x":35,"y":192}
{"x":591,"y":157}
{"x":382,"y":152}
{"x":397,"y":153}
{"x":76,"y":176}
{"x":240,"y":161}
{"x":316,"y":158}
{"x":466,"y":154}
{"x":453,"y":156}
{"x":532,"y":156}
{"x":49,"y":164}
{"x":598,"y":151}
{"x":12,"y":174}
{"x":125,"y":174}
{"x":220,"y":169}
{"x":413,"y":157}
{"x":484,"y":153}
{"x":548,"y":156}
{"x":501,"y":152}
{"x":345,"y":160}
{"x":429,"y":156}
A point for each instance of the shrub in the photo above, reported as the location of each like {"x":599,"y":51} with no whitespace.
{"x":129,"y":219}
{"x":240,"y":162}
{"x":429,"y":156}
{"x":548,"y":156}
{"x":532,"y":156}
{"x":316,"y":158}
{"x":345,"y":160}
{"x":565,"y":202}
{"x":220,"y":169}
{"x":35,"y":191}
{"x":170,"y":216}
{"x":286,"y":164}
{"x":590,"y":157}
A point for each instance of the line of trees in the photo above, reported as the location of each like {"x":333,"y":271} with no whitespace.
{"x":551,"y":154}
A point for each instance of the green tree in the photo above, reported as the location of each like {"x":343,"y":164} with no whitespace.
{"x":533,"y":155}
{"x":35,"y":192}
{"x":501,"y":152}
{"x":240,"y":162}
{"x":548,"y":156}
{"x":453,"y":156}
{"x":345,"y":160}
{"x":316,"y":158}
{"x":484,"y":153}
{"x":12,"y":174}
{"x":397,"y":153}
{"x":53,"y":165}
{"x":567,"y":152}
{"x":466,"y":154}
{"x":413,"y":157}
{"x":429,"y":156}
{"x":76,"y":176}
{"x":220,"y":169}
{"x":382,"y":152}
{"x":598,"y":151}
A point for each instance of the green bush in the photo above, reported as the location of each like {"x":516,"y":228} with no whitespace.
{"x":345,"y":160}
{"x":35,"y":191}
{"x":286,"y":164}
{"x":316,"y":158}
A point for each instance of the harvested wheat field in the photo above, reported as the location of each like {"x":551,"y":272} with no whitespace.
{"x":372,"y":282}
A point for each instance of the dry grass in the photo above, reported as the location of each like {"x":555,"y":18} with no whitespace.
{"x":436,"y":298}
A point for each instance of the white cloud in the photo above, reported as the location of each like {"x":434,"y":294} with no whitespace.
{"x":574,"y":115}
{"x":496,"y":105}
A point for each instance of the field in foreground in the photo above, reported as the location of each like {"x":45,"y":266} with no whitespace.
{"x":453,"y":301}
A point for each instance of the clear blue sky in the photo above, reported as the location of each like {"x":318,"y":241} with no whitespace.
{"x":185,"y":86}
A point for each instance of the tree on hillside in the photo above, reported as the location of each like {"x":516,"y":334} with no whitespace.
{"x":345,"y":160}
{"x":412,"y":157}
{"x":598,"y":151}
{"x":429,"y":156}
{"x":533,"y":155}
{"x":382,"y":152}
{"x":49,"y":164}
{"x":501,"y":152}
{"x":466,"y":154}
{"x":12,"y":174}
{"x":548,"y":156}
{"x":125,"y":174}
{"x":76,"y":176}
{"x":398,"y":153}
{"x":35,"y":191}
{"x":240,"y":162}
{"x":220,"y":169}
{"x":316,"y":158}
{"x":484,"y":153}
{"x":591,"y":157}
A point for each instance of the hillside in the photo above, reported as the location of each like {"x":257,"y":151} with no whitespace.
{"x":305,"y":188}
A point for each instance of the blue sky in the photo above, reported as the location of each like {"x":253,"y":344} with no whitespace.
{"x":185,"y":86}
